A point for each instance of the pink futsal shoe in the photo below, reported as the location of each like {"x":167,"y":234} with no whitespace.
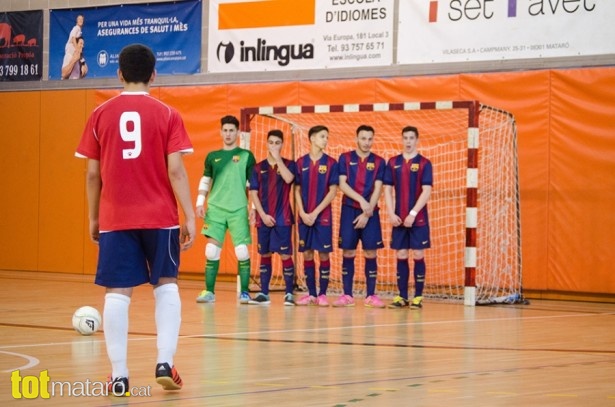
{"x":344,"y":301}
{"x":322,"y":301}
{"x":306,"y":300}
{"x":374,"y":302}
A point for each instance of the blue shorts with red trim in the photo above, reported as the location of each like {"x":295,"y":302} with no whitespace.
{"x":128,"y":258}
{"x":370,"y":236}
{"x":276,"y":239}
{"x":415,"y":238}
{"x":317,"y":237}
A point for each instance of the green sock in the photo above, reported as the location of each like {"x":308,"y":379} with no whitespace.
{"x":244,"y":274}
{"x":211,"y":273}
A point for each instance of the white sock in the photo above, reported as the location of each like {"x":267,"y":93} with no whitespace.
{"x":115,"y":324}
{"x":168,"y":320}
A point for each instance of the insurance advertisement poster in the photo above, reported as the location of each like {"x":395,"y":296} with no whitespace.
{"x":172,"y":30}
{"x":279,"y":35}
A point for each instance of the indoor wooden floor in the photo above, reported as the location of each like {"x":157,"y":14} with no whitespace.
{"x":548,"y":353}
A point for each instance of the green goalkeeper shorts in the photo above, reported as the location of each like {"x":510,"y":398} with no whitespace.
{"x":217,"y":221}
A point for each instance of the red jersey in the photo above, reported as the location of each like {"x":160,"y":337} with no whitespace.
{"x":131,"y":135}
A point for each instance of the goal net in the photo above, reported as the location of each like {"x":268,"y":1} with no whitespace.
{"x":475,"y":254}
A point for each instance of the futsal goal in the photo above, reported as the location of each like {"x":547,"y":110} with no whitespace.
{"x":475,"y":254}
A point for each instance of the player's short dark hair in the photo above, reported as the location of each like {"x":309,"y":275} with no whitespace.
{"x":365,"y":127}
{"x":137,"y":63}
{"x":275,"y":133}
{"x":228,"y":119}
{"x":317,"y":129}
{"x":410,"y":128}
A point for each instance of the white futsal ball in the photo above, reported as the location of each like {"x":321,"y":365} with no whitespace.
{"x":86,"y":320}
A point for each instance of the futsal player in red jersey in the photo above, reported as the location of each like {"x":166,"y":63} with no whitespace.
{"x":270,"y":187}
{"x":361,"y":173}
{"x":316,"y":185}
{"x":408,"y":180}
{"x":135,"y":176}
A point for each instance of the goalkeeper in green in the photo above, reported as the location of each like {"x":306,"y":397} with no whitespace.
{"x":223,"y":186}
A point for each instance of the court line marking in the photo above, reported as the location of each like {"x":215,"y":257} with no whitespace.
{"x":32,"y":361}
{"x":151,"y":336}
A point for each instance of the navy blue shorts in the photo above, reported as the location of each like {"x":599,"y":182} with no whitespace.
{"x":128,"y":258}
{"x":316,"y":237}
{"x":415,"y":238}
{"x":370,"y":236}
{"x":276,"y":239}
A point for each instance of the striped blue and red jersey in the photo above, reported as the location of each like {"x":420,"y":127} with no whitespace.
{"x":273,"y":191}
{"x":315,"y":178}
{"x":361,"y":174}
{"x":408,"y":178}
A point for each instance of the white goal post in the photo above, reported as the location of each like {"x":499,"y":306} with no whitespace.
{"x":475,"y":256}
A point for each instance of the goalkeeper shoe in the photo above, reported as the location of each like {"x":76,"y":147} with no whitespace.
{"x":244,"y":297}
{"x":168,"y":377}
{"x":417,"y":303}
{"x":206,"y":297}
{"x":260,"y":299}
{"x":399,"y":303}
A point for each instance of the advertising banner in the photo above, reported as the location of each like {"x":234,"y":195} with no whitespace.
{"x":172,"y":30}
{"x":279,"y":35}
{"x":433,"y":31}
{"x":21,"y":45}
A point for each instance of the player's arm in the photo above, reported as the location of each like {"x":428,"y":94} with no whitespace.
{"x":267,"y":219}
{"x":326,"y":201}
{"x":351,"y":193}
{"x":373,"y":200}
{"x":181,"y":187}
{"x":204,"y":186}
{"x":420,"y":204}
{"x":390,"y":202}
{"x":93,"y":186}
{"x":305,"y":217}
{"x":286,"y":174}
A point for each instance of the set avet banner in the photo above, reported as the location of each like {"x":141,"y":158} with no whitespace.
{"x":434,"y":31}
{"x":21,"y":45}
{"x":171,"y":30}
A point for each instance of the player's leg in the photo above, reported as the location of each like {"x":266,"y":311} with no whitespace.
{"x":215,"y":230}
{"x":239,"y":228}
{"x":283,"y":239}
{"x":263,"y":238}
{"x":119,"y":274}
{"x":309,"y":267}
{"x":419,"y":241}
{"x":400,"y":243}
{"x":162,"y":248}
{"x":323,"y":243}
{"x":348,"y":241}
{"x":371,"y":241}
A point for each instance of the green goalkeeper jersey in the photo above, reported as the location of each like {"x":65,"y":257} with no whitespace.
{"x":229,"y":171}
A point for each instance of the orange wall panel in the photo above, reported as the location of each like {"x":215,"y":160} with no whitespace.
{"x":62,"y":194}
{"x":582,"y":180}
{"x":19,"y":169}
